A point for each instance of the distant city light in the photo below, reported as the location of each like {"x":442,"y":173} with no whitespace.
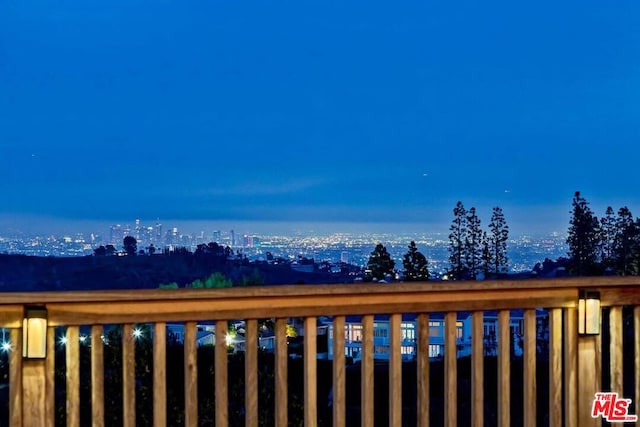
{"x":63,"y":340}
{"x":137,"y":333}
{"x":229,"y":339}
{"x":5,"y":346}
{"x":83,"y":338}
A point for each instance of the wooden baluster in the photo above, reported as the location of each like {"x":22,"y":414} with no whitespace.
{"x":72,"y":347}
{"x":50,"y":369}
{"x":477,"y":369}
{"x":160,"y":374}
{"x":310,"y":373}
{"x":282,"y":366}
{"x":97,"y":376}
{"x":190,"y":375}
{"x":571,"y":367}
{"x":423,"y":370}
{"x":128,"y":376}
{"x":395,"y":370}
{"x":222,"y":393}
{"x":251,"y":373}
{"x":450,"y":370}
{"x":15,"y":378}
{"x":555,"y":367}
{"x":615,"y":349}
{"x":529,"y":374}
{"x":366,"y":372}
{"x":504,"y":369}
{"x":339,"y":378}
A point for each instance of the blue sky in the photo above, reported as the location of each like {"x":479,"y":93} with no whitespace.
{"x":317,"y":111}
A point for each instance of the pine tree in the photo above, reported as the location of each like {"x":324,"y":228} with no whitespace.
{"x":607,"y":238}
{"x":415,"y":265}
{"x":625,"y":241}
{"x":473,"y":245}
{"x":583,"y":238}
{"x":457,"y":238}
{"x":380,"y":262}
{"x":498,"y":237}
{"x":487,"y":260}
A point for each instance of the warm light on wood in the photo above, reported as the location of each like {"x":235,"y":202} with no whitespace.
{"x":589,"y":313}
{"x":34,"y":333}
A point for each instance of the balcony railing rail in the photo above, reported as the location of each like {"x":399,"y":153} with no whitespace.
{"x":575,"y":361}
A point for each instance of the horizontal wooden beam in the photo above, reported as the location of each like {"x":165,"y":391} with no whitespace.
{"x":11,"y":316}
{"x":630,"y":282}
{"x":144,"y":311}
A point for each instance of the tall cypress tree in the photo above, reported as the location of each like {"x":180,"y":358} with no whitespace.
{"x":415,"y":265}
{"x":625,"y":241}
{"x":487,"y":260}
{"x":457,"y":238}
{"x":607,"y":238}
{"x":473,"y":245}
{"x":583,"y":238}
{"x":498,"y":237}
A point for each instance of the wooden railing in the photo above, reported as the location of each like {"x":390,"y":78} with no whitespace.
{"x":574,"y":362}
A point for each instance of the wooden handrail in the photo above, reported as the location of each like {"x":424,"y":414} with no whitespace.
{"x":314,"y":290}
{"x":161,"y":305}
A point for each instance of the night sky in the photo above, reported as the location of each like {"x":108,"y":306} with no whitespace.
{"x":323,"y":111}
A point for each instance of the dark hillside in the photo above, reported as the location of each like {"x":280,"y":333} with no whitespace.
{"x":27,"y":273}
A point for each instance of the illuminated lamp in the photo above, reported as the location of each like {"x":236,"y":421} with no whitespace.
{"x":589,"y":312}
{"x":34,"y":333}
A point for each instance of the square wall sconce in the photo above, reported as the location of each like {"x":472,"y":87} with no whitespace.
{"x":34,"y":333}
{"x":589,"y":312}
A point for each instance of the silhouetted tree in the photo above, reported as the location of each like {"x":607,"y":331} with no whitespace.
{"x":473,"y":245}
{"x":457,"y":238}
{"x":100,"y":251}
{"x":498,"y":237}
{"x":607,"y":238}
{"x":625,"y":242}
{"x":151,"y":249}
{"x":487,"y":262}
{"x":130,"y":245}
{"x":380,"y":262}
{"x":415,"y":265}
{"x":111,"y":250}
{"x":583,"y":238}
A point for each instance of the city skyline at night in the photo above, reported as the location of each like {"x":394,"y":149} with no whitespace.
{"x":334,"y":115}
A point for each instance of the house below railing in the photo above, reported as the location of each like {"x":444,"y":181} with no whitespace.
{"x":587,"y":345}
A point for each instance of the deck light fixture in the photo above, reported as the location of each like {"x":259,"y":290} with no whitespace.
{"x":34,"y":333}
{"x":589,"y":312}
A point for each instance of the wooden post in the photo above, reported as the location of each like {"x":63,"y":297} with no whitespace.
{"x":33,"y":392}
{"x":589,"y":376}
{"x":15,"y":378}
